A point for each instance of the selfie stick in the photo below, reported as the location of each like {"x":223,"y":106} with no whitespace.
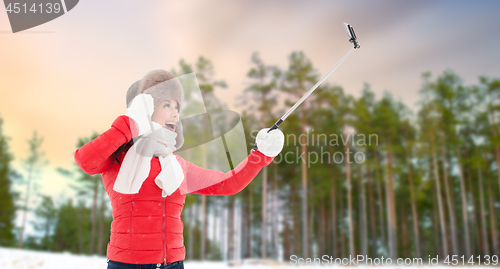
{"x":353,"y":39}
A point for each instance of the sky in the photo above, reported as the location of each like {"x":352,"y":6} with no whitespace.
{"x":68,"y":77}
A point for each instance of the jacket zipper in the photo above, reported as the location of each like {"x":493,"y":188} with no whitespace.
{"x":131,"y":212}
{"x":163,"y":232}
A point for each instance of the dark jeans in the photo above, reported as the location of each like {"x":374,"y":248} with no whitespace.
{"x":121,"y":265}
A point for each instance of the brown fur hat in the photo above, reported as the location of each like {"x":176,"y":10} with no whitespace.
{"x":161,"y":85}
{"x":132,"y":92}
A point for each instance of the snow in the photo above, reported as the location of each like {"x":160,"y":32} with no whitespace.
{"x":17,"y":258}
{"x":12,"y":258}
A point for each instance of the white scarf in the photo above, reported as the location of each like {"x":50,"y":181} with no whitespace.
{"x":136,"y":165}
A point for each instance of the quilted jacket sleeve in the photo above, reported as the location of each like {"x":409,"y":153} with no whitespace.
{"x":211,"y":182}
{"x":93,"y":157}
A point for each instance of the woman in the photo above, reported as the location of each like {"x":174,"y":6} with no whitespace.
{"x":147,"y":183}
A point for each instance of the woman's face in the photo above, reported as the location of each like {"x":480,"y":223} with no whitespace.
{"x":166,"y":114}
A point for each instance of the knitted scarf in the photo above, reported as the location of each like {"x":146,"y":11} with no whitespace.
{"x":136,"y":165}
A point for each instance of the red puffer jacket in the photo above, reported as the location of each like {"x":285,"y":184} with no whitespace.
{"x":146,"y":227}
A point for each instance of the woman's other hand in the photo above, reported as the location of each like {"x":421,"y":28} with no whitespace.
{"x":140,"y":110}
{"x":270,"y":144}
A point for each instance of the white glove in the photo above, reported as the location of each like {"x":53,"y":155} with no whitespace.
{"x":270,"y":144}
{"x":140,"y":110}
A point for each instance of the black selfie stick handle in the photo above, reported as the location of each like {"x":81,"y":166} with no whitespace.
{"x":275,"y":126}
{"x":353,"y":39}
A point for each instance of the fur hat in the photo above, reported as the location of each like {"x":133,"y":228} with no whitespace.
{"x":161,"y":85}
{"x":132,"y":92}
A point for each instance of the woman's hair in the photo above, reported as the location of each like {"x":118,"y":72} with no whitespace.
{"x":123,"y":148}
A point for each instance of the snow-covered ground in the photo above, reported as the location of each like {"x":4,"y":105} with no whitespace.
{"x":11,"y":258}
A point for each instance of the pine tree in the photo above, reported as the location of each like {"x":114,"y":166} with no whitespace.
{"x":33,"y":164}
{"x":90,"y":186}
{"x":72,"y":230}
{"x":266,"y":78}
{"x":207,"y":85}
{"x":299,"y":77}
{"x":364,"y":125}
{"x":7,"y":196}
{"x":46,"y":213}
{"x":387,"y":120}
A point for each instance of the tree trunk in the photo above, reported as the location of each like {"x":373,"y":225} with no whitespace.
{"x":264,"y":195}
{"x":100,"y":241}
{"x":312,"y":238}
{"x":483,"y":217}
{"x":203,"y":227}
{"x":231,"y":243}
{"x":80,"y":229}
{"x":449,"y":203}
{"x":275,"y":212}
{"x":363,"y":223}
{"x":214,"y":228}
{"x":436,"y":222}
{"x":444,"y":236}
{"x":380,"y":194}
{"x":305,"y":241}
{"x":493,"y":223}
{"x":296,"y":241}
{"x":349,"y":199}
{"x":405,"y":235}
{"x":465,"y":217}
{"x":203,"y":197}
{"x":191,"y":222}
{"x":286,"y":241}
{"x":373,"y":223}
{"x":342,"y":225}
{"x":26,"y":205}
{"x":391,"y":209}
{"x":334,"y":217}
{"x":244,"y":228}
{"x":322,"y":230}
{"x":263,"y":231}
{"x":224,"y":235}
{"x":94,"y":218}
{"x":497,"y":151}
{"x":237,"y":223}
{"x":250,"y":220}
{"x":192,"y":225}
{"x":45,"y":239}
{"x":413,"y":207}
{"x":474,"y":231}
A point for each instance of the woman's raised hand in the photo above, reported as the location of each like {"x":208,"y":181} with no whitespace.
{"x":270,"y":144}
{"x":140,"y":110}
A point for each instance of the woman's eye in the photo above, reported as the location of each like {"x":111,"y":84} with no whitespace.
{"x":167,"y":105}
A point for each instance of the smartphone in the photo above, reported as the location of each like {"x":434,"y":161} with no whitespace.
{"x":352,"y":36}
